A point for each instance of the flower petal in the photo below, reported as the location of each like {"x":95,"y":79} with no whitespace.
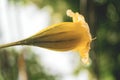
{"x":83,"y":46}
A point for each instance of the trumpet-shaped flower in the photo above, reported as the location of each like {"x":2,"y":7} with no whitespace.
{"x":63,"y":37}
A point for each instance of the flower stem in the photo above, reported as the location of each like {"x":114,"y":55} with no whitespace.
{"x":10,"y":44}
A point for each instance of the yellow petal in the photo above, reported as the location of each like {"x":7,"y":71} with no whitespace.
{"x":61,"y":37}
{"x":84,"y":45}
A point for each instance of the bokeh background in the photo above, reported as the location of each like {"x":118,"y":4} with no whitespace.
{"x":22,"y":18}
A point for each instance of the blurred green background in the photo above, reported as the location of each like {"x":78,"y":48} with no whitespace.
{"x":103,"y":17}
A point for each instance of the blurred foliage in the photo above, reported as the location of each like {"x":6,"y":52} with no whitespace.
{"x":57,"y":7}
{"x":108,"y":41}
{"x":103,"y":17}
{"x":9,"y":66}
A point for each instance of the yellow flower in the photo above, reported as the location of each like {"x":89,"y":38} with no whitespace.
{"x":63,"y":37}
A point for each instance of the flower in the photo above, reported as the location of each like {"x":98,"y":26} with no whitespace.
{"x":65,"y":36}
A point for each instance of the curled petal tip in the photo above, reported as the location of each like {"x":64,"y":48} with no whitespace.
{"x":69,"y":13}
{"x":76,"y":16}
